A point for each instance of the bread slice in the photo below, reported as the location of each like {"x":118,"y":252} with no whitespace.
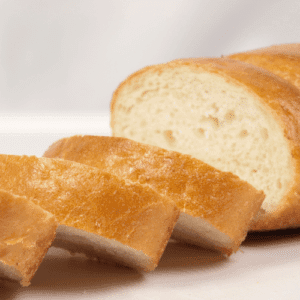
{"x":26,"y":233}
{"x":99,"y":214}
{"x":283,"y":60}
{"x":229,"y":114}
{"x":216,"y":207}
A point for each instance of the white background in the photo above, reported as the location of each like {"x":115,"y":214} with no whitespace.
{"x":69,"y":56}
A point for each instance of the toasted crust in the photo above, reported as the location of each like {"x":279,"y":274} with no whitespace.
{"x":88,"y":199}
{"x":279,"y":97}
{"x":200,"y":191}
{"x":282,"y":60}
{"x":27,"y":231}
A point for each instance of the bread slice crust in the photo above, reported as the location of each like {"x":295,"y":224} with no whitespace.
{"x":200,"y":191}
{"x":279,"y":99}
{"x":27,"y":232}
{"x":282,"y":60}
{"x":84,"y":198}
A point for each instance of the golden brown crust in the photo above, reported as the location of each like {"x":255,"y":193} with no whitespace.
{"x":282,"y":60}
{"x":286,"y":49}
{"x":27,"y":231}
{"x":88,"y":199}
{"x":199,"y":190}
{"x":279,"y":97}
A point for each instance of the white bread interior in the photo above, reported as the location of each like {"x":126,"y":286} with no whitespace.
{"x":202,"y":110}
{"x":197,"y":231}
{"x":95,"y":246}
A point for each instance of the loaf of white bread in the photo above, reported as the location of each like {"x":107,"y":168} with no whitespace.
{"x":239,"y":114}
{"x":232,"y":115}
{"x":216,"y":207}
{"x":26,"y":233}
{"x":98,"y":213}
{"x":282,"y":60}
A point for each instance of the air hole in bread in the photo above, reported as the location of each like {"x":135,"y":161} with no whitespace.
{"x":214,"y":122}
{"x":168,"y":135}
{"x":215,"y":107}
{"x":199,"y":132}
{"x":229,"y":116}
{"x":211,"y":121}
{"x":243,"y":133}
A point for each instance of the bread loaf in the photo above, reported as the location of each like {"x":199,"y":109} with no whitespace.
{"x":99,"y":214}
{"x":229,"y":114}
{"x":216,"y":207}
{"x":283,"y":60}
{"x":26,"y":233}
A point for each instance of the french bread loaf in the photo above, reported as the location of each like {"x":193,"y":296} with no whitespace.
{"x":216,"y":207}
{"x":283,"y":60}
{"x":99,"y":214}
{"x":232,"y":115}
{"x":26,"y":233}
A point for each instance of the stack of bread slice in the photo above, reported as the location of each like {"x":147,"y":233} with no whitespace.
{"x":99,"y":214}
{"x":124,"y":209}
{"x":216,"y":208}
{"x":233,"y":115}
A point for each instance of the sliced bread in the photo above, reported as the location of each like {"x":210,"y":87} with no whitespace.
{"x":232,"y":115}
{"x":26,"y":233}
{"x":99,"y":214}
{"x":283,"y":60}
{"x":216,"y":207}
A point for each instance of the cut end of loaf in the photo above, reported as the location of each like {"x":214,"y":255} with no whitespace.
{"x":197,"y":111}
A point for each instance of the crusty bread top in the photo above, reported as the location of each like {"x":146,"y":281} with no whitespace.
{"x":27,"y":232}
{"x":278,"y":100}
{"x":286,"y":49}
{"x":221,"y":199}
{"x":282,"y":60}
{"x":89,"y":199}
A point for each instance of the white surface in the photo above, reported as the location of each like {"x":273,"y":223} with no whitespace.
{"x":70,"y":55}
{"x":268,"y":267}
